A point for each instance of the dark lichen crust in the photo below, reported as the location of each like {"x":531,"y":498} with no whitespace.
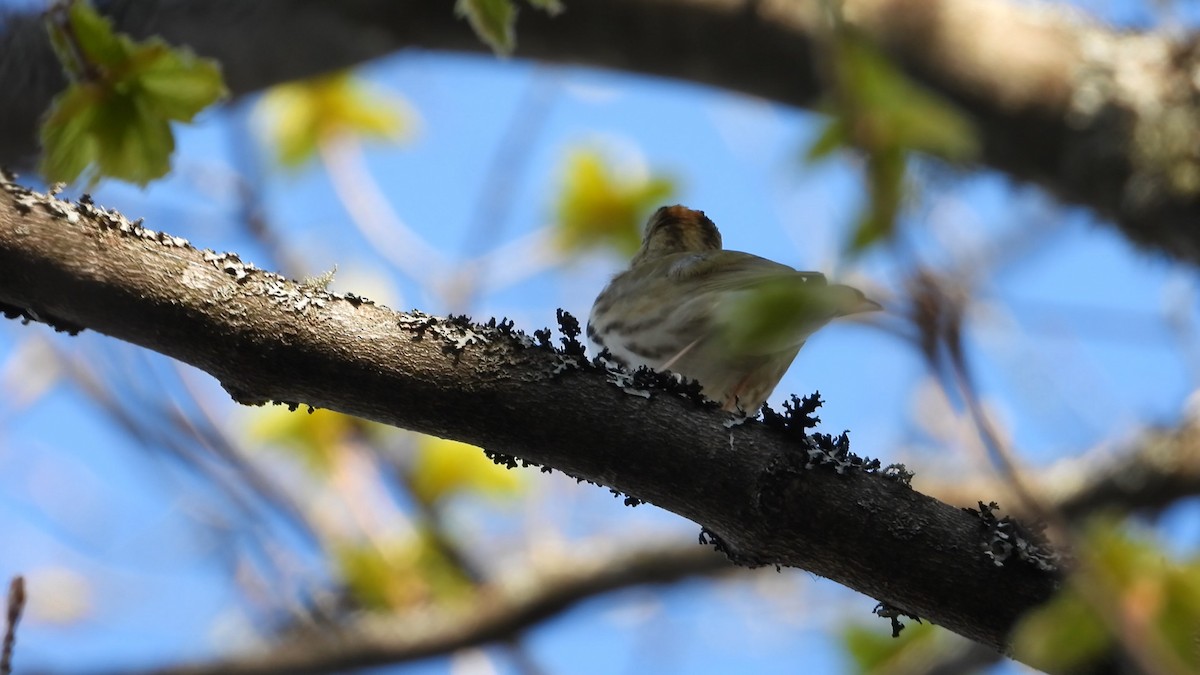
{"x":1007,"y":541}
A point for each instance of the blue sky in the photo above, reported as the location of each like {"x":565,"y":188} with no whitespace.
{"x":1070,"y":345}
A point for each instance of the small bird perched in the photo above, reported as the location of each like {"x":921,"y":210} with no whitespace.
{"x":730,"y":320}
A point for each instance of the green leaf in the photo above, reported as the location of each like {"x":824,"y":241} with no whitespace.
{"x":878,"y":110}
{"x":875,"y":652}
{"x":600,"y":206}
{"x":68,"y":145}
{"x":177,"y":83}
{"x":116,"y":135}
{"x":833,"y":137}
{"x":885,"y":181}
{"x":101,"y":47}
{"x":493,"y":21}
{"x":115,"y":115}
{"x":132,"y":143}
{"x":890,"y":110}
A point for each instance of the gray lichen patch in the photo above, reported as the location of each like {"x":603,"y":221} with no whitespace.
{"x":499,"y":344}
{"x":885,"y":610}
{"x":291,"y":296}
{"x":615,"y":373}
{"x":28,"y":200}
{"x":456,"y":332}
{"x":231,"y":264}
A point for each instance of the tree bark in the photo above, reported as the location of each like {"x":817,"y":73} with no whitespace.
{"x":1102,"y":119}
{"x":769,"y":495}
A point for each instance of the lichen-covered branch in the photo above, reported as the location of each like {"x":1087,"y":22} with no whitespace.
{"x":1101,"y":118}
{"x":768,"y":493}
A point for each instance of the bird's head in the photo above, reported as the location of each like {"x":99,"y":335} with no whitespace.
{"x":677,"y":229}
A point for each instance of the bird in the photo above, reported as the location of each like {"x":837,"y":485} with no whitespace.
{"x":730,"y":320}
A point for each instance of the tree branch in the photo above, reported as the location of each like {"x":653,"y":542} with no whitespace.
{"x":1158,"y":469}
{"x":1099,"y":118}
{"x":768,"y":496}
{"x":503,"y":610}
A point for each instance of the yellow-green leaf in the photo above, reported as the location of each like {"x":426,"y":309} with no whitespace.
{"x":1062,"y":635}
{"x":392,"y":575}
{"x":493,"y":21}
{"x":600,"y":207}
{"x":304,"y":115}
{"x":316,"y":438}
{"x":1122,"y":573}
{"x":443,"y":468}
{"x":551,"y":7}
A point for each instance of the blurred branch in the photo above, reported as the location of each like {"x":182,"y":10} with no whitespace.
{"x":431,"y":520}
{"x":537,"y":251}
{"x":372,"y":214}
{"x":502,"y":610}
{"x":1164,"y":466}
{"x":508,"y":163}
{"x":244,"y":486}
{"x":1159,"y":468}
{"x":1098,"y":117}
{"x":937,"y":313}
{"x":16,"y":605}
{"x":267,"y":339}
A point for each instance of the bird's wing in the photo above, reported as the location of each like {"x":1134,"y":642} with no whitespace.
{"x":757,"y":306}
{"x":732,"y":271}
